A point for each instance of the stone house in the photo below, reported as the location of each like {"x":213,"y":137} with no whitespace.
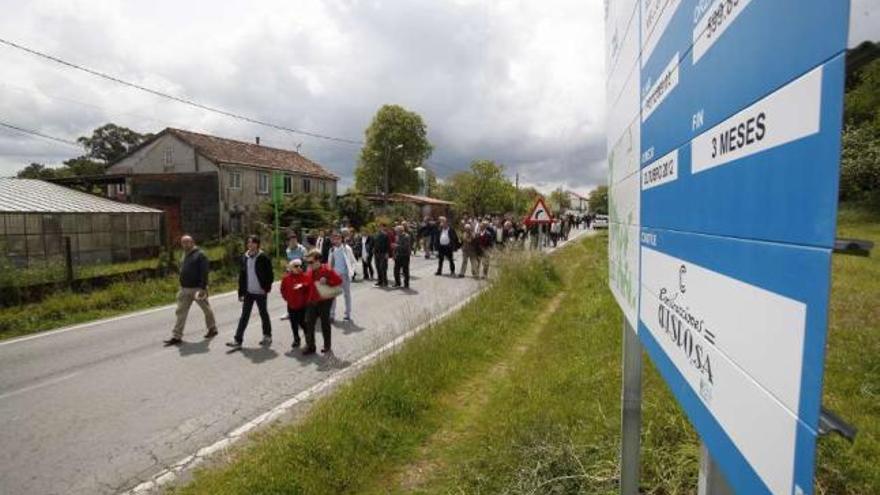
{"x":211,"y":186}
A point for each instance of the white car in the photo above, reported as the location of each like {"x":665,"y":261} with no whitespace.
{"x":600,"y":222}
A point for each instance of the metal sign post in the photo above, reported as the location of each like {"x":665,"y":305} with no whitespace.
{"x":277,"y":194}
{"x":631,"y":420}
{"x":711,"y":481}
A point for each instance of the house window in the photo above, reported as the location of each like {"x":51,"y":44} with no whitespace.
{"x":168,"y":161}
{"x":307,"y":186}
{"x":262,"y":183}
{"x":288,"y":184}
{"x":234,"y":180}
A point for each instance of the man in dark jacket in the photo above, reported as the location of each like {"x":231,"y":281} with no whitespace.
{"x":254,"y":283}
{"x":322,"y":244}
{"x":365,"y":246}
{"x":194,"y":268}
{"x":445,"y":242}
{"x":381,"y":250}
{"x":402,"y":253}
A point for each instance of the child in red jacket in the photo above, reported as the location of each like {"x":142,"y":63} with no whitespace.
{"x":295,"y":288}
{"x":319,"y":307}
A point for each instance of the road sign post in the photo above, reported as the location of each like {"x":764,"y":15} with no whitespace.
{"x":539,"y":215}
{"x":631,"y":412}
{"x":277,"y":196}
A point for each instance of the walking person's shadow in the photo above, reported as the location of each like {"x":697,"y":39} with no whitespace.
{"x":190,"y":348}
{"x":256,"y":355}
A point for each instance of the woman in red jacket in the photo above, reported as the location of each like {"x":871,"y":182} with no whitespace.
{"x":295,"y":290}
{"x":318,"y":305}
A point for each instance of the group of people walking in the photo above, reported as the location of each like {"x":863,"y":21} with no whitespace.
{"x":317,"y":274}
{"x":309,"y":287}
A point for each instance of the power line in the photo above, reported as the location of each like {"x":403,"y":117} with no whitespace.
{"x":178,"y":99}
{"x":39,"y":134}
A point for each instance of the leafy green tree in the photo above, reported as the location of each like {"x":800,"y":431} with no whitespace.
{"x":299,"y":211}
{"x":396,"y":139}
{"x":559,"y":200}
{"x":83,"y":166}
{"x":356,"y":209}
{"x":111,"y":142}
{"x":860,"y":165}
{"x":37,"y":171}
{"x":481,"y":190}
{"x":598,"y":200}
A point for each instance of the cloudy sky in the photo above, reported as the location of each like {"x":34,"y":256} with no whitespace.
{"x":520,"y":82}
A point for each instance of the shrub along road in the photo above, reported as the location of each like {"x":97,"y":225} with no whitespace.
{"x":101,"y":407}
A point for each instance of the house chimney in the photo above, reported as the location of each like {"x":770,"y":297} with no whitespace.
{"x":258,"y":140}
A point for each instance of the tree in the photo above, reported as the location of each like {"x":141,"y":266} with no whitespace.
{"x":111,"y":142}
{"x":396,"y":139}
{"x":299,"y":211}
{"x":356,"y":209}
{"x":860,"y":165}
{"x":598,"y":200}
{"x":560,"y":200}
{"x":37,"y":171}
{"x":483,"y":189}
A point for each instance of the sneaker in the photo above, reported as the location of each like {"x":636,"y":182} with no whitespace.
{"x":377,"y":284}
{"x":308,"y":351}
{"x":326,"y":350}
{"x":295,"y":345}
{"x":266,"y":342}
{"x":461,"y":275}
{"x":436,"y":273}
{"x":235,"y":345}
{"x":347,"y":318}
{"x":172,"y":341}
{"x":212,"y":332}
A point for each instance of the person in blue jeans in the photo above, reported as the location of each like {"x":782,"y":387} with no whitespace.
{"x":342,"y":262}
{"x":254,"y":283}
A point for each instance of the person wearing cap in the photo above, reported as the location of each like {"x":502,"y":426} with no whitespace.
{"x":295,"y":291}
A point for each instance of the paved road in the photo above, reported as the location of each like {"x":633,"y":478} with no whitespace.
{"x":101,"y":407}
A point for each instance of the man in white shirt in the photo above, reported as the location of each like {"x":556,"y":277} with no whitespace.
{"x":445,"y":243}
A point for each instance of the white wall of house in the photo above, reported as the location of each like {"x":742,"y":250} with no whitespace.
{"x":166,"y":155}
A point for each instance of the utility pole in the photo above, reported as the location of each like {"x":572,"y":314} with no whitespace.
{"x":516,"y":198}
{"x":385,"y":189}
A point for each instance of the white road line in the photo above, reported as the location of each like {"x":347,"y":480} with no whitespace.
{"x":170,"y":474}
{"x":46,"y":383}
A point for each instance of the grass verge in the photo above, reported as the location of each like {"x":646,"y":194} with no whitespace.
{"x":69,"y":307}
{"x":357,"y":435}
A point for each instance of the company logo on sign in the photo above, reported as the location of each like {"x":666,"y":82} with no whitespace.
{"x":682,"y":326}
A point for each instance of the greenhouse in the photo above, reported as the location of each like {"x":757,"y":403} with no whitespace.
{"x":37,"y":218}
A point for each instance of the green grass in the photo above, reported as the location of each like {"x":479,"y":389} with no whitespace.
{"x":552,"y":424}
{"x":852,"y":363}
{"x":355,"y":436}
{"x":49,"y":272}
{"x":68,"y":308}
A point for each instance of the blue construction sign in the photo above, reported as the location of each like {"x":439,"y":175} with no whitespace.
{"x":724,"y":135}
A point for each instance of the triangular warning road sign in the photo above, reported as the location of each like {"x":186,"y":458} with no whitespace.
{"x":539,"y":214}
